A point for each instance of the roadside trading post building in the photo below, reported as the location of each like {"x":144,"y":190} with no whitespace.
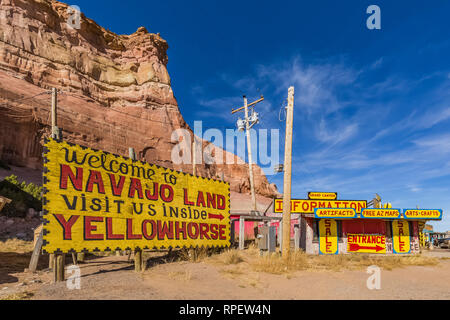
{"x":332,"y":226}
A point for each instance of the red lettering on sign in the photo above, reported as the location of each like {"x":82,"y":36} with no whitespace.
{"x":95,"y":177}
{"x":66,"y":173}
{"x":109,"y":232}
{"x":66,"y":225}
{"x":88,"y":228}
{"x":148,"y":236}
{"x":130,"y":234}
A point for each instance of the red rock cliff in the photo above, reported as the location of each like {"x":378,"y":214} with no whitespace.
{"x":116,"y":91}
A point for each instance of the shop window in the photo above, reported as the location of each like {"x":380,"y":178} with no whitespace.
{"x":315,"y":230}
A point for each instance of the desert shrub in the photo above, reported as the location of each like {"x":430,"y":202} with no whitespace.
{"x":23,"y":196}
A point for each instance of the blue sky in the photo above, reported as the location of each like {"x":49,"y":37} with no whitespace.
{"x":372,"y":107}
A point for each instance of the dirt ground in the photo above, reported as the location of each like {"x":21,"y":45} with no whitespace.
{"x":113,"y":277}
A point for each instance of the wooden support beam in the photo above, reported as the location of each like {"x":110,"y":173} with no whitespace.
{"x":138,"y":260}
{"x":51,"y":261}
{"x":36,"y":252}
{"x":74,"y":258}
{"x":58,"y":270}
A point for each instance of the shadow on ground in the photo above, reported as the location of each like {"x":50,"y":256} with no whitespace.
{"x":12,"y":262}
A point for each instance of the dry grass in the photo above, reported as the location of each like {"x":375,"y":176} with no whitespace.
{"x":193,"y":255}
{"x":19,"y":296}
{"x":275,"y":264}
{"x":16,"y":245}
{"x":299,"y":261}
{"x":231,"y":257}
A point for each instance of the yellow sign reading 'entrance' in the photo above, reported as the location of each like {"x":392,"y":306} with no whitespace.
{"x":328,"y":237}
{"x":381,"y":213}
{"x":428,"y":214}
{"x":96,"y":201}
{"x":335,"y":213}
{"x":369,"y":243}
{"x":308,"y":206}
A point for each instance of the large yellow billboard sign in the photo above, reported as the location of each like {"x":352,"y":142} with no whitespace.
{"x":308,"y":205}
{"x":96,"y":201}
{"x":400,"y":236}
{"x":328,"y":236}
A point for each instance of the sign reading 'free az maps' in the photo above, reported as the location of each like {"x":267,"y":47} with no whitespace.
{"x":96,"y":201}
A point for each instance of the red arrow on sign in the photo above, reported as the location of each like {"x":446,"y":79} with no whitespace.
{"x":215,"y":216}
{"x":356,"y":247}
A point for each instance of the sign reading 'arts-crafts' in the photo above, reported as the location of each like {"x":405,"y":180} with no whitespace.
{"x":335,"y":213}
{"x":308,"y":205}
{"x":96,"y":201}
{"x":428,"y":214}
{"x":378,"y":213}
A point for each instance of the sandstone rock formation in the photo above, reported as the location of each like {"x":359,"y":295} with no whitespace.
{"x":116,"y":91}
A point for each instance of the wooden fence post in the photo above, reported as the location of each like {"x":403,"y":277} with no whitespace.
{"x":51,"y":261}
{"x":138,"y":260}
{"x":59,"y":268}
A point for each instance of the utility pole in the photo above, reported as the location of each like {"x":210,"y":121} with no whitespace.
{"x":286,"y":236}
{"x":249,"y":143}
{"x":250,"y":160}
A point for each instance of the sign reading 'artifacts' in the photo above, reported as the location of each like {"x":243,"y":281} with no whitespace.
{"x":366,"y":243}
{"x":96,"y":201}
{"x":335,"y":213}
{"x":400,"y":236}
{"x":428,"y":214}
{"x":381,"y":213}
{"x":322,"y":195}
{"x":308,"y":206}
{"x":328,"y":237}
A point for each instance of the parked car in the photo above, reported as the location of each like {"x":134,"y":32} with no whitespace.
{"x":443,"y":243}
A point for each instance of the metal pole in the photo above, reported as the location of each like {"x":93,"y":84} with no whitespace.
{"x":55,"y":135}
{"x":194,"y":157}
{"x":288,"y":175}
{"x":250,"y":161}
{"x":241,"y":233}
{"x":55,"y":130}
